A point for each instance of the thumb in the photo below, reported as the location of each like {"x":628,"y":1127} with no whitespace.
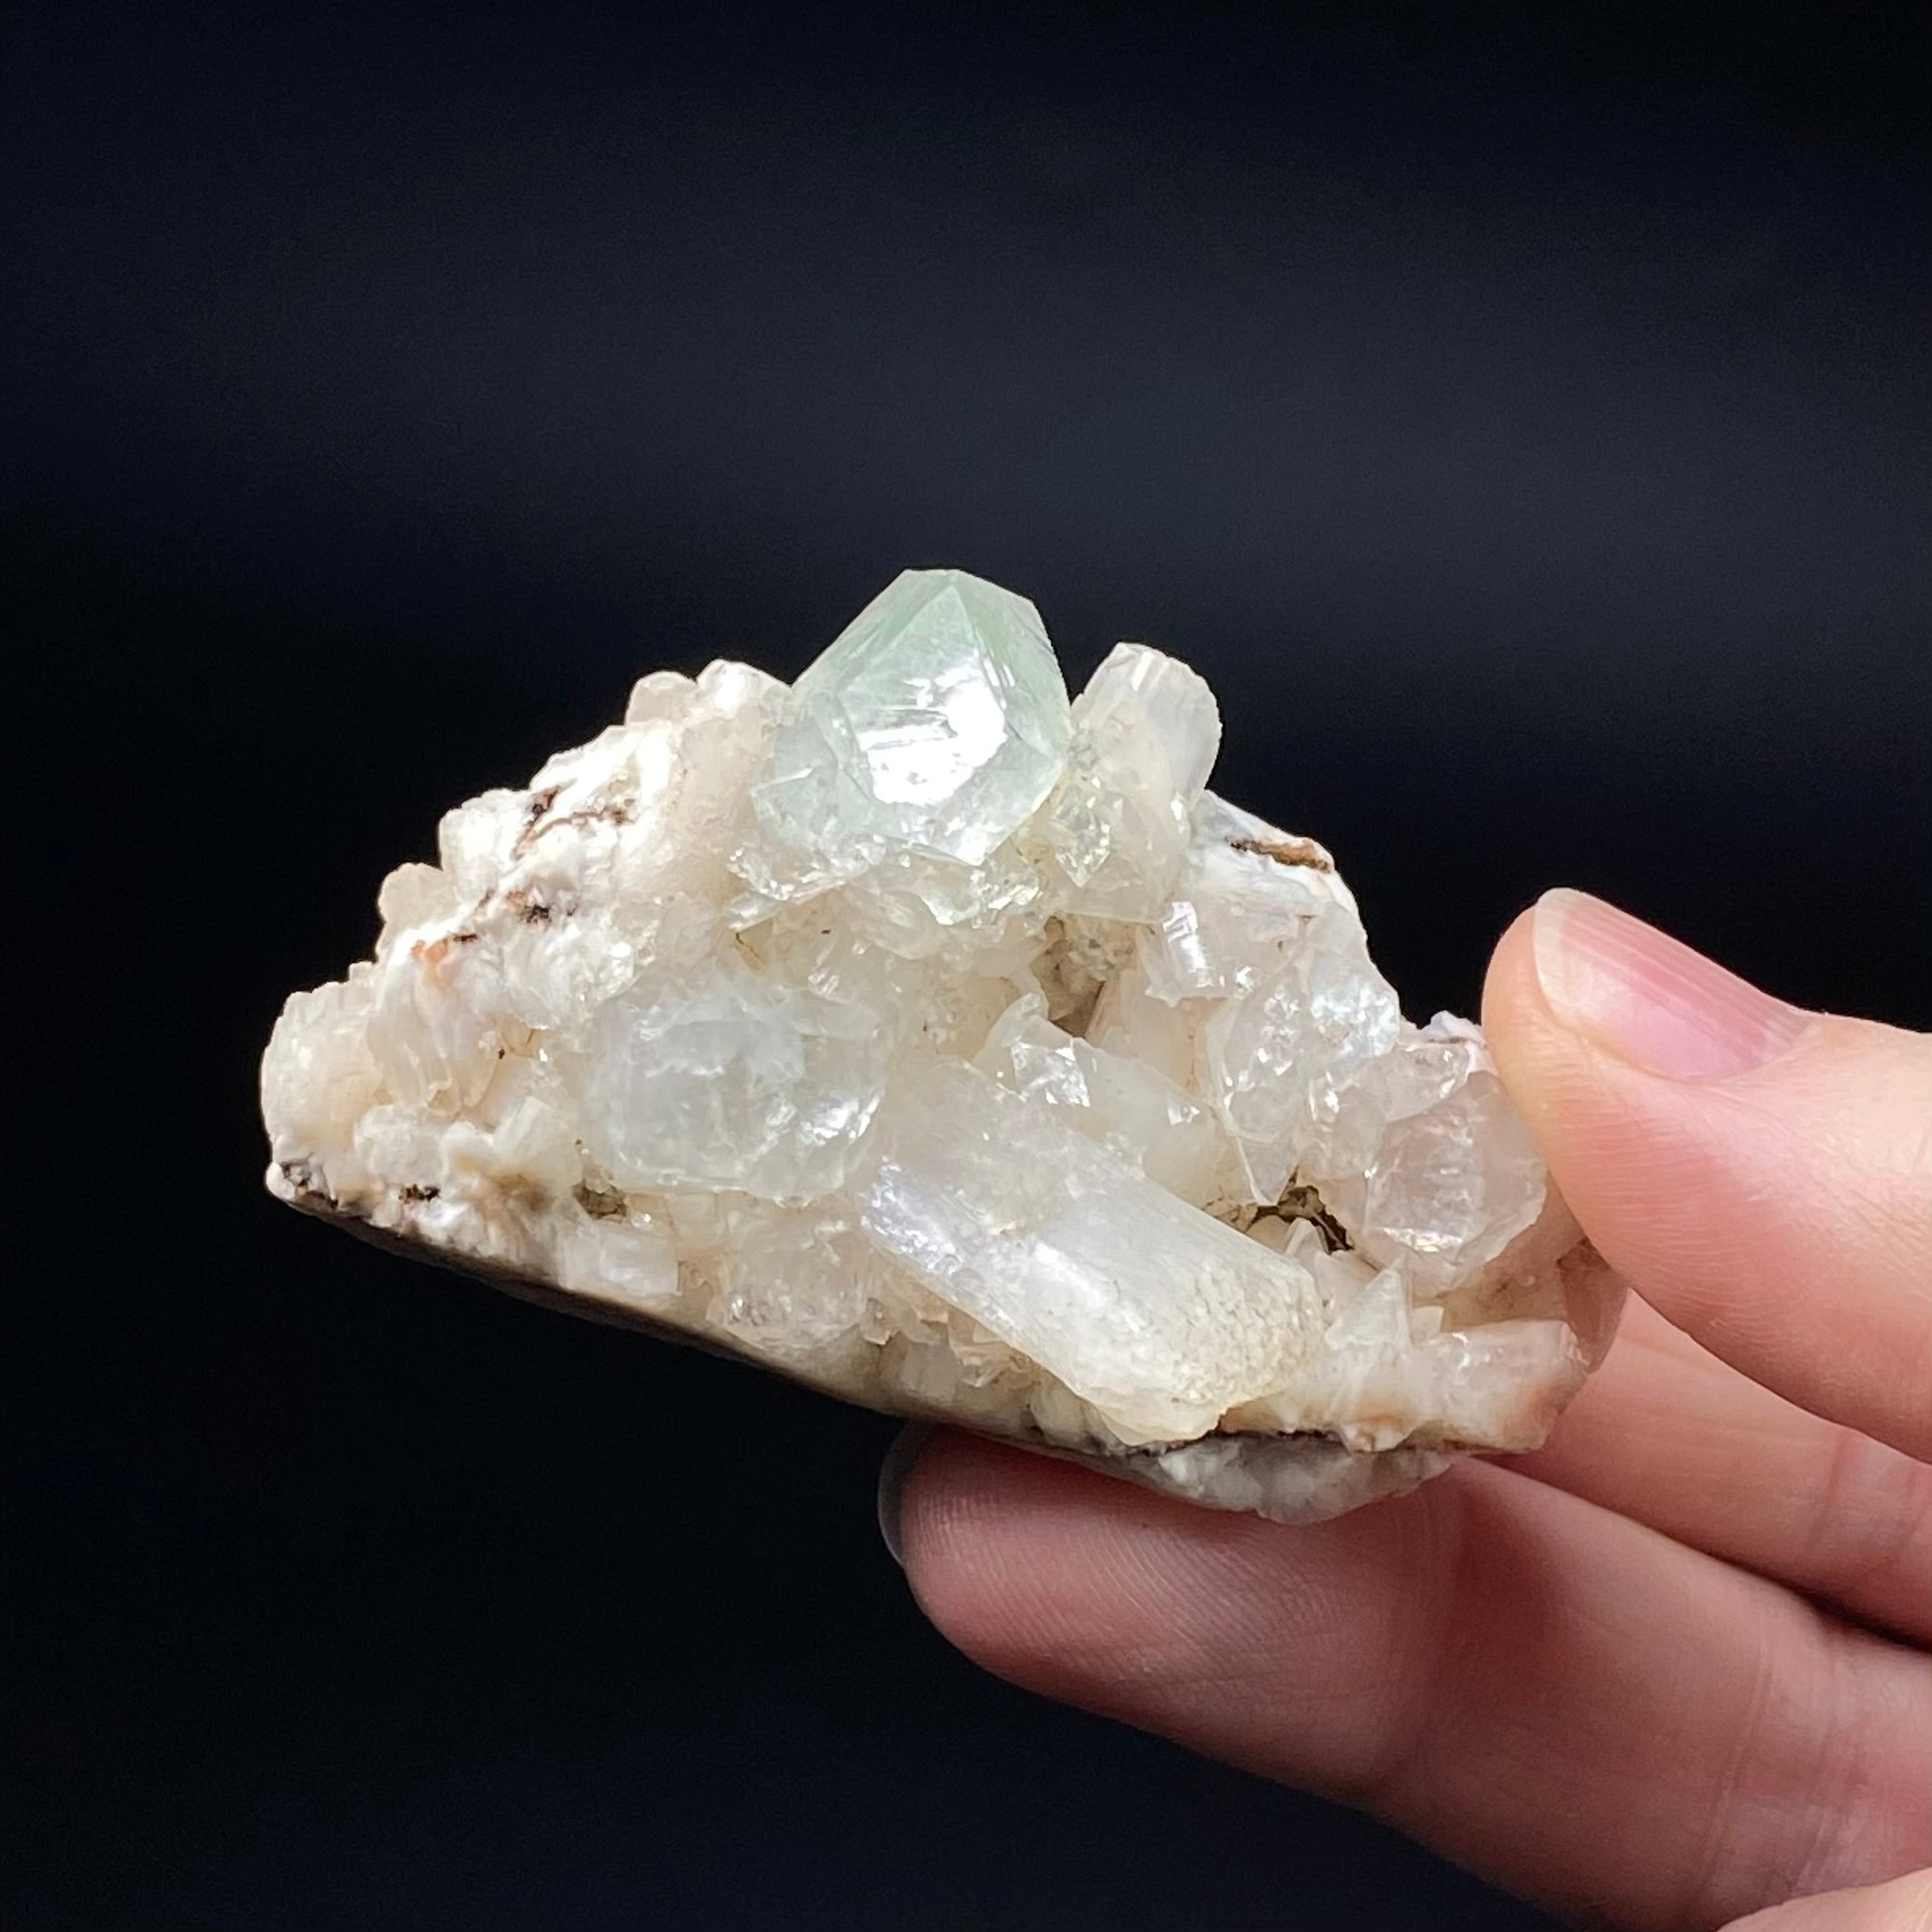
{"x":1905,"y":1905}
{"x":1762,"y":1175}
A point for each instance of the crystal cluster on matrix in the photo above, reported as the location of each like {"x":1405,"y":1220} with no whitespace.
{"x":950,"y":1046}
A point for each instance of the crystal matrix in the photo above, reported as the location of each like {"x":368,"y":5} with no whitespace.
{"x":950,"y":1046}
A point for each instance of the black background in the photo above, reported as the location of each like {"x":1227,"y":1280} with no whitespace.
{"x":1516,"y":412}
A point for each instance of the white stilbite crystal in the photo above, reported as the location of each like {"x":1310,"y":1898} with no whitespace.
{"x":952,"y":1048}
{"x":1144,"y":732}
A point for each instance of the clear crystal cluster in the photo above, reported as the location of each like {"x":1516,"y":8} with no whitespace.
{"x":949,"y":1045}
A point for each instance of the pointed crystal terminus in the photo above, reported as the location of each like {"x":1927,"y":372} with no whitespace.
{"x":937,"y":721}
{"x":949,"y":1047}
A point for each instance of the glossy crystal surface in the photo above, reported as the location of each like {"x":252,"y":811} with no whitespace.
{"x":934,"y":724}
{"x":950,"y":1046}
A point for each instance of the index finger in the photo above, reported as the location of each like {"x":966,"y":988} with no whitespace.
{"x":1557,"y":1697}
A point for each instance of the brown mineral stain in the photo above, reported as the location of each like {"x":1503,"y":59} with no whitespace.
{"x":1304,"y":852}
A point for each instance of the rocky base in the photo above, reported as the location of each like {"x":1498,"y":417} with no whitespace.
{"x":951,"y":1049}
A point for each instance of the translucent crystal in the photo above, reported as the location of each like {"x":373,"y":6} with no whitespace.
{"x":937,"y":721}
{"x":1424,"y":1067}
{"x":796,"y":1284}
{"x":1450,"y":1187}
{"x":920,"y":907}
{"x":1246,"y":899}
{"x":629,"y":1257}
{"x":952,"y":1049}
{"x":1144,"y":734}
{"x":1283,"y":1055}
{"x":722,"y":1079}
{"x":1132,"y":1108}
{"x":1142,"y":1305}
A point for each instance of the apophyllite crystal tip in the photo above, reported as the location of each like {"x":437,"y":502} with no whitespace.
{"x":949,"y":1046}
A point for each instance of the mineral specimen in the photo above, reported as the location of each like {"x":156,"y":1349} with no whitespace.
{"x":951,"y":1047}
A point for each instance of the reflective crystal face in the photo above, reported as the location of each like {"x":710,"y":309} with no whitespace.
{"x":722,"y":1079}
{"x":935,"y":722}
{"x":1013,"y":1215}
{"x":952,"y":1048}
{"x":1450,"y":1186}
{"x":1146,"y":731}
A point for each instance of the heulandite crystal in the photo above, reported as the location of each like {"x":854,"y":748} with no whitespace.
{"x":951,"y":1047}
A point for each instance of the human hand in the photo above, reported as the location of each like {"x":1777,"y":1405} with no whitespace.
{"x":1672,"y":1667}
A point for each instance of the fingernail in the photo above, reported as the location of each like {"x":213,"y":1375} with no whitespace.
{"x":893,"y":1472}
{"x":1650,"y":999}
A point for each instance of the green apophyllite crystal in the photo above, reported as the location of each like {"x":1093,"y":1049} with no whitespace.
{"x":937,"y":721}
